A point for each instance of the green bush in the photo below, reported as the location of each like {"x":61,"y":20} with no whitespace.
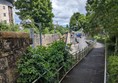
{"x":113,"y":69}
{"x":46,"y":31}
{"x":8,"y":27}
{"x":29,"y":66}
{"x":36,"y":61}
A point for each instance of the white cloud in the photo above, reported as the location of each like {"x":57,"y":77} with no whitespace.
{"x":64,"y":9}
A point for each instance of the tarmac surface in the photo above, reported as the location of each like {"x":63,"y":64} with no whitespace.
{"x":90,"y":69}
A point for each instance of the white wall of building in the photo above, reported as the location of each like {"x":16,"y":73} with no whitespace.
{"x":4,"y":10}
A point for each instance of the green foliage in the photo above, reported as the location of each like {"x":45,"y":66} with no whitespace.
{"x":102,"y":17}
{"x":46,"y":31}
{"x":52,"y":31}
{"x":113,"y":69}
{"x":36,"y":61}
{"x":62,"y":29}
{"x":29,"y":67}
{"x":38,"y":10}
{"x":59,"y":30}
{"x":77,"y":21}
{"x":106,"y":18}
{"x":8,"y":27}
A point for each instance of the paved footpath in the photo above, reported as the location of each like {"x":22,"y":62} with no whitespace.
{"x":90,"y":69}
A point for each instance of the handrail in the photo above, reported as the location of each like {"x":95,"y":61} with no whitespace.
{"x":39,"y":77}
{"x":87,"y":50}
{"x":77,"y":54}
{"x":105,"y":68}
{"x":45,"y":73}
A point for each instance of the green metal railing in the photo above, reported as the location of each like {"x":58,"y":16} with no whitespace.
{"x":76,"y":57}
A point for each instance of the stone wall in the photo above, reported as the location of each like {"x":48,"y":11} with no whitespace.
{"x":46,"y":39}
{"x":12,"y":46}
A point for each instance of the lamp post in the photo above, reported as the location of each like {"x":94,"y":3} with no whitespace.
{"x":54,"y":32}
{"x":28,"y":21}
{"x":54,"y":29}
{"x":39,"y":25}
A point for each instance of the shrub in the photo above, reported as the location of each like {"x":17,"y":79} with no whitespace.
{"x":36,"y":61}
{"x":113,"y":69}
{"x":8,"y":27}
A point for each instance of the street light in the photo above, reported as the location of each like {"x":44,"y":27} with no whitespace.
{"x":54,"y":31}
{"x":28,"y":21}
{"x":39,"y":25}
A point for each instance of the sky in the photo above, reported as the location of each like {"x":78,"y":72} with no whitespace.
{"x":63,"y":10}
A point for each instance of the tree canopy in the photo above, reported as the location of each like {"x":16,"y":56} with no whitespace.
{"x":102,"y":15}
{"x":38,"y":10}
{"x":77,"y":21}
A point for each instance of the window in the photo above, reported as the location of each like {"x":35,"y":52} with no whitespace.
{"x":10,"y":14}
{"x":3,"y":7}
{"x":4,"y":14}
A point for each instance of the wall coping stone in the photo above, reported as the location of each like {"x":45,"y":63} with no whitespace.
{"x":11,"y":34}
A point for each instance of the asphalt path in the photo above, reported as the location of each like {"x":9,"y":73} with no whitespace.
{"x":90,"y":69}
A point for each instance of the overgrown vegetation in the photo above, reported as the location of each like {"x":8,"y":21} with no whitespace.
{"x":40,"y":11}
{"x":113,"y":69}
{"x":77,"y":21}
{"x":102,"y":19}
{"x":58,"y":30}
{"x":13,"y":27}
{"x":37,"y":61}
{"x":8,"y":27}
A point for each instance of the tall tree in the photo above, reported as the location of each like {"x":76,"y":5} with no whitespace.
{"x":77,"y":21}
{"x":103,"y":15}
{"x":38,"y":10}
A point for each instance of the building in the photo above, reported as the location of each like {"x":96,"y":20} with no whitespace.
{"x":6,"y":11}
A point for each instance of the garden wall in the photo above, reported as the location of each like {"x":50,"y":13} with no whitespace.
{"x":46,"y":39}
{"x":12,"y":46}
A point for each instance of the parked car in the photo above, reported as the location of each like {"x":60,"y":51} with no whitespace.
{"x":79,"y":35}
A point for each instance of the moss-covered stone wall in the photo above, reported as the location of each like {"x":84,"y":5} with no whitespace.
{"x":12,"y":46}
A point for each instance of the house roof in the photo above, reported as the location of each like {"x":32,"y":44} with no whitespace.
{"x":7,"y":2}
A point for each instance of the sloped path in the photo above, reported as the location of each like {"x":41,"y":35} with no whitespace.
{"x":90,"y":69}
